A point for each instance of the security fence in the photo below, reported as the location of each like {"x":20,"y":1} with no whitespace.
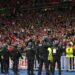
{"x":67,"y":63}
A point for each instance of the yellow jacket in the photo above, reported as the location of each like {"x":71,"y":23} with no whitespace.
{"x":69,"y":52}
{"x":50,"y":57}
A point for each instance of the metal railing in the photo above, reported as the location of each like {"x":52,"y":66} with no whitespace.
{"x":68,"y":63}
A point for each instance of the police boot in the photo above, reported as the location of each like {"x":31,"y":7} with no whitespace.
{"x":2,"y":72}
{"x":6,"y":72}
{"x":28,"y":73}
{"x":15,"y":73}
{"x":32,"y":74}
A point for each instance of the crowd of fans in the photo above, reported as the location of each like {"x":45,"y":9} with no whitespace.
{"x":24,"y":3}
{"x":23,"y":25}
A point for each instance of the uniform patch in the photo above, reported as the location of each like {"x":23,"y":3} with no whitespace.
{"x":54,"y":50}
{"x":40,"y":44}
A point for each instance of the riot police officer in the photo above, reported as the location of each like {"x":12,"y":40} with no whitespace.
{"x":15,"y":55}
{"x":30,"y":54}
{"x":5,"y":59}
{"x":1,"y":60}
{"x":56,"y":52}
{"x":42,"y":54}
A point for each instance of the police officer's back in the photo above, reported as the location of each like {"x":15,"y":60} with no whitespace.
{"x":15,"y":55}
{"x":1,"y":59}
{"x":5,"y":58}
{"x":30,"y":54}
{"x":0,"y":53}
{"x":5,"y":52}
{"x":42,"y":48}
{"x":42,"y":54}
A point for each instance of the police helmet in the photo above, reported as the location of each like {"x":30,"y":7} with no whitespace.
{"x":56,"y":43}
{"x":45,"y":37}
{"x":30,"y":44}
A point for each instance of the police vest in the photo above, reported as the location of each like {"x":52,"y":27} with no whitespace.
{"x":69,"y":52}
{"x":50,"y":57}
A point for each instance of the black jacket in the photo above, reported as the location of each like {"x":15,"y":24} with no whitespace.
{"x":15,"y":54}
{"x":42,"y":51}
{"x":5,"y":53}
{"x":30,"y":52}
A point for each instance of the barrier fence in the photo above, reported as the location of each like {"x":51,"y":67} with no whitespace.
{"x":67,"y":63}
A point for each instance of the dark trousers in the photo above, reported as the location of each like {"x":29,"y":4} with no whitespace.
{"x":6,"y":65}
{"x":15,"y":65}
{"x":41,"y":64}
{"x":51,"y":66}
{"x":2,"y":65}
{"x":56,"y":59}
{"x":30,"y":63}
{"x":71,"y":62}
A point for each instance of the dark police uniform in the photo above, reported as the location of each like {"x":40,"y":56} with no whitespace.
{"x":5,"y":60}
{"x":15,"y":54}
{"x":1,"y":60}
{"x":42,"y":55}
{"x":57,"y":51}
{"x":30,"y":54}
